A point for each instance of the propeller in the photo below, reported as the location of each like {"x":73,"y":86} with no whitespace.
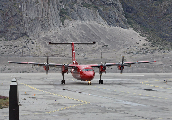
{"x":102,"y":68}
{"x":104,"y":65}
{"x":65,"y":68}
{"x":47,"y":59}
{"x":122,"y":65}
{"x":46,"y":66}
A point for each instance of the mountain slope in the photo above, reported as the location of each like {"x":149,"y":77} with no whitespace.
{"x":152,"y":17}
{"x":28,"y":26}
{"x":35,"y":18}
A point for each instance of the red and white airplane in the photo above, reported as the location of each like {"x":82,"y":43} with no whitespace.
{"x":82,"y":72}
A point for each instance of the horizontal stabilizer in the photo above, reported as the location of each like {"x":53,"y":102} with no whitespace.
{"x":74,"y":43}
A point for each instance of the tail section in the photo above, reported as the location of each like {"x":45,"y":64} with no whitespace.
{"x":73,"y":55}
{"x":73,"y":50}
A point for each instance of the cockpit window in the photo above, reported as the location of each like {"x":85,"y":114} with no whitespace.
{"x":87,"y":69}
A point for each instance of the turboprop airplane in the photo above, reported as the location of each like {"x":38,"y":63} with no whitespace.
{"x":82,"y":72}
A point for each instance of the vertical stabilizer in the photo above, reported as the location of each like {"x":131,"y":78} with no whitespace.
{"x":73,"y":55}
{"x":73,"y":50}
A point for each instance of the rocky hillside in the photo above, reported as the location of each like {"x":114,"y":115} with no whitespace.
{"x":27,"y":26}
{"x":36,"y":18}
{"x":152,"y":18}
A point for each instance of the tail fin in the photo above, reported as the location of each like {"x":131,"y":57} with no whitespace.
{"x":73,"y":50}
{"x":73,"y":55}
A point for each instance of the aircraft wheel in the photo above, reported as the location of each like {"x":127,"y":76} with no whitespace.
{"x":89,"y":83}
{"x":100,"y":81}
{"x":63,"y":82}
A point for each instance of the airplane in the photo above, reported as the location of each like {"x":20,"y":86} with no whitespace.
{"x":82,"y":72}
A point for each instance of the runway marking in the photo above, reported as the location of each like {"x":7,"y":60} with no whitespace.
{"x":134,"y":75}
{"x":145,"y":82}
{"x":111,"y":98}
{"x":133,"y":93}
{"x":83,"y":102}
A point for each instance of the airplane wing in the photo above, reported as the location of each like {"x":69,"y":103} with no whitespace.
{"x":39,"y":64}
{"x":145,"y":62}
{"x":128,"y":63}
{"x":110,"y":64}
{"x":43,"y":64}
{"x":124,"y":64}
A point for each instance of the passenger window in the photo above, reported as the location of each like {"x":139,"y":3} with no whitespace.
{"x":87,"y":70}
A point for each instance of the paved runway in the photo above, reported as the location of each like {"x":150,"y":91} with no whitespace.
{"x":141,"y":96}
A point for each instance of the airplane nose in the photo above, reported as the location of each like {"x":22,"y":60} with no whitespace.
{"x":88,"y":76}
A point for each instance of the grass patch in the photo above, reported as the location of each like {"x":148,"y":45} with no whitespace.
{"x":4,"y":102}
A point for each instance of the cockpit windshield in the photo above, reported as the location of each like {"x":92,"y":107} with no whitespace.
{"x":87,"y":69}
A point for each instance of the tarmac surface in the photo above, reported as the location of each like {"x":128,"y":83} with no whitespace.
{"x":127,"y":96}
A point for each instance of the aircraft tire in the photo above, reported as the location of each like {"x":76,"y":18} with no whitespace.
{"x":63,"y":82}
{"x":100,"y":81}
{"x":89,"y":83}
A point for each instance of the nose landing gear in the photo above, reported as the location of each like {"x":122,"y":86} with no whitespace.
{"x":89,"y":82}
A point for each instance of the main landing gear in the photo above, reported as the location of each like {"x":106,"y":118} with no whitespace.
{"x":100,"y":81}
{"x":63,"y":81}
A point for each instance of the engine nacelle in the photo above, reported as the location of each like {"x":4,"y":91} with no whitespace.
{"x":46,"y":68}
{"x":102,"y":68}
{"x":120,"y":67}
{"x":64,"y":69}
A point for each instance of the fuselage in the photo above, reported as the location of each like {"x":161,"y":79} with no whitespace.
{"x":83,"y":72}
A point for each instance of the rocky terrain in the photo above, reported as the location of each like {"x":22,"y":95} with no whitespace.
{"x":28,"y":26}
{"x":152,"y":17}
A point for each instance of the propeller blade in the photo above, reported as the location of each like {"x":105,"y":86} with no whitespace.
{"x":121,"y":71}
{"x":122,"y":60}
{"x":47,"y":60}
{"x":47,"y":65}
{"x":47,"y":72}
{"x":122,"y":64}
